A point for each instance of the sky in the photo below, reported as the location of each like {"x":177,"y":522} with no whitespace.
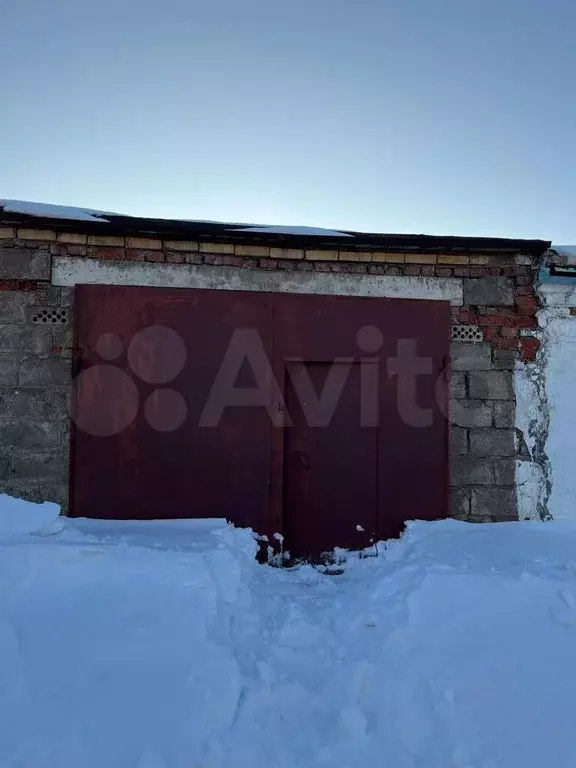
{"x":412,"y":116}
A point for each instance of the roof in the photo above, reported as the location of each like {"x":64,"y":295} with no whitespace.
{"x":42,"y":215}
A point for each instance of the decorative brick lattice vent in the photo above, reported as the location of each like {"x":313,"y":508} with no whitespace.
{"x":50,"y":316}
{"x":467,"y":333}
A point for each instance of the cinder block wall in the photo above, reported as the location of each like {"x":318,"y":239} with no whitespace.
{"x":35,"y":374}
{"x":491,"y":331}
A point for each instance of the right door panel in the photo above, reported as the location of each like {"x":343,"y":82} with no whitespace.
{"x":349,"y":482}
{"x":330,"y":471}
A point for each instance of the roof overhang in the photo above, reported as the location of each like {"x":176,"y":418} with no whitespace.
{"x":116,"y":224}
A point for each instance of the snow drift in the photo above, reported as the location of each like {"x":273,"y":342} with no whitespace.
{"x":165,"y":645}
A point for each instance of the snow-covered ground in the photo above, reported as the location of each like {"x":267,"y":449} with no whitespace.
{"x":165,"y":645}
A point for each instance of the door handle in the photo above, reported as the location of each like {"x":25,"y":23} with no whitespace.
{"x":303,"y":459}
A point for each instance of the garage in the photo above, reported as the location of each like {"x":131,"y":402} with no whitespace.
{"x":319,"y":386}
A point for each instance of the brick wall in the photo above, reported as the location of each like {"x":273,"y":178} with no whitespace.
{"x":35,"y":360}
{"x":485,"y":443}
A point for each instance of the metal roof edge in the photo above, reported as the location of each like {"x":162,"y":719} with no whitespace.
{"x":116,"y":224}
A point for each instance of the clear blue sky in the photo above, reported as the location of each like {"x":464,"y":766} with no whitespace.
{"x":437,"y":116}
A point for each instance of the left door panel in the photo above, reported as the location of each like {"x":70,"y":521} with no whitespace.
{"x":148,"y":359}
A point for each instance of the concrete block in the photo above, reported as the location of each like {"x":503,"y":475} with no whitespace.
{"x":24,"y":340}
{"x":497,"y":503}
{"x":44,"y":373}
{"x":470,"y":413}
{"x":491,"y":385}
{"x":479,"y":518}
{"x":493,"y":442}
{"x":504,"y":413}
{"x":470,"y":470}
{"x":66,"y":297}
{"x":489,"y":291}
{"x":27,"y":434}
{"x":460,"y":503}
{"x":14,"y":306}
{"x":467,"y":356}
{"x":37,"y":341}
{"x":8,"y":371}
{"x":24,"y":264}
{"x":458,"y":384}
{"x":35,"y":464}
{"x":505,"y":471}
{"x":63,"y":336}
{"x":505,"y":359}
{"x":49,"y":296}
{"x":6,"y":473}
{"x":458,"y":441}
{"x":40,"y":404}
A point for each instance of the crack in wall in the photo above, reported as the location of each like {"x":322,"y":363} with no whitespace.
{"x":533,"y":434}
{"x":538,"y":430}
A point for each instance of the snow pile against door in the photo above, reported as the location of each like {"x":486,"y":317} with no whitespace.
{"x":165,"y":645}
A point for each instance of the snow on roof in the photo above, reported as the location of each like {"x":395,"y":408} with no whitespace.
{"x":45,"y":210}
{"x":70,"y":213}
{"x":286,"y":230}
{"x":10,"y":209}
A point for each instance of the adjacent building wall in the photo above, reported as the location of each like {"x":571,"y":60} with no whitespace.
{"x":492,"y":300}
{"x":546,"y":393}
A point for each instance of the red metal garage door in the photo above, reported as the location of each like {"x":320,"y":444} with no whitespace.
{"x":279,"y":412}
{"x":154,"y":460}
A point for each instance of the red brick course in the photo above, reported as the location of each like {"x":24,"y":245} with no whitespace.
{"x":19,"y":285}
{"x":529,"y":346}
{"x":502,"y":326}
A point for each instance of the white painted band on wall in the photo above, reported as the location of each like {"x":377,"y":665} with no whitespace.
{"x":69,"y":271}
